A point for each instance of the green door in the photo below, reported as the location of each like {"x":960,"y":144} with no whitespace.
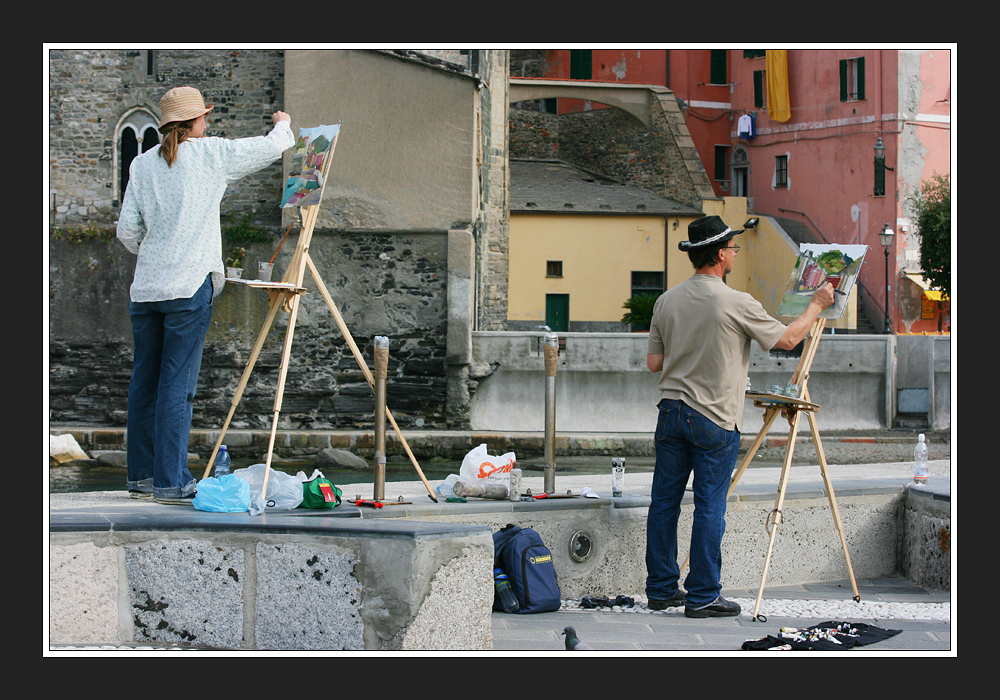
{"x":557,"y":312}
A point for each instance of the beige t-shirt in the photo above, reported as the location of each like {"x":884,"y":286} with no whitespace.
{"x":703,"y":329}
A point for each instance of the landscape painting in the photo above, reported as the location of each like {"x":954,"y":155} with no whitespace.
{"x":816,"y":265}
{"x":313,"y":147}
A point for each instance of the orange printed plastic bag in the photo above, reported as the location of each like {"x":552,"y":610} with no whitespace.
{"x":478,"y":464}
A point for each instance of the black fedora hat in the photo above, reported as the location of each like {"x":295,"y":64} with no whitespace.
{"x":706,"y":231}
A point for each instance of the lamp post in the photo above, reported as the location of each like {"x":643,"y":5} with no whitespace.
{"x":886,"y":236}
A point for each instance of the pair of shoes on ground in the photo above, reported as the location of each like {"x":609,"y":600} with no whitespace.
{"x":720,"y":607}
{"x":675,"y":601}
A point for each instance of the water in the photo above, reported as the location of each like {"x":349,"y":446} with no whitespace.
{"x":84,"y":477}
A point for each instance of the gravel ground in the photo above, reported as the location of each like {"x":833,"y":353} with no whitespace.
{"x":810,"y":609}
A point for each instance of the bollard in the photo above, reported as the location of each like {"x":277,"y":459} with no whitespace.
{"x":381,"y":370}
{"x":551,"y":360}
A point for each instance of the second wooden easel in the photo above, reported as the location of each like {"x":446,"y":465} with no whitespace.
{"x":285,"y":295}
{"x":792,"y":409}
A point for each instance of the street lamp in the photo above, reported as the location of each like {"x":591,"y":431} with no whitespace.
{"x":886,"y":235}
{"x":880,"y":168}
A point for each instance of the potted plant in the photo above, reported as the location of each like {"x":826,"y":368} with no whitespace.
{"x":639,"y":311}
{"x":234,"y":263}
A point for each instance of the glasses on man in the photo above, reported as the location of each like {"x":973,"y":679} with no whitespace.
{"x":734,"y":248}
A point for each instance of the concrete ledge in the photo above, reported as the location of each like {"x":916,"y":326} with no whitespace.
{"x":925,"y":537}
{"x":141,"y":572}
{"x":417,"y":575}
{"x":807,"y":545}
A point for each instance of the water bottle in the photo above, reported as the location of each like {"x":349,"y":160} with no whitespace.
{"x":222,"y":463}
{"x":920,"y":461}
{"x":514,"y":492}
{"x":506,"y":593}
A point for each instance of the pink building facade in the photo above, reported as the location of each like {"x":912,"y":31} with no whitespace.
{"x":795,"y":131}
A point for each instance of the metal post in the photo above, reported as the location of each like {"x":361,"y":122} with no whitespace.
{"x":551,"y":360}
{"x":888,"y":328}
{"x":381,"y":367}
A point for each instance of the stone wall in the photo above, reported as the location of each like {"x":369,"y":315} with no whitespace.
{"x":90,"y":91}
{"x":391,"y":285}
{"x":391,"y":280}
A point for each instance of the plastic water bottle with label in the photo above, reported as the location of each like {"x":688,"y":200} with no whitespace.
{"x":223,"y":462}
{"x":920,"y":461}
{"x":506,"y":593}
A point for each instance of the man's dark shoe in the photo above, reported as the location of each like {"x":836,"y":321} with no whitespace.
{"x":674,"y":601}
{"x":720,"y":607}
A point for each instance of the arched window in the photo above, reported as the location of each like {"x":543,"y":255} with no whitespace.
{"x":136,"y":133}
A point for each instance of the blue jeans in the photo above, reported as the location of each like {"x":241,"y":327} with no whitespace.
{"x":687,"y":441}
{"x":169,"y":338}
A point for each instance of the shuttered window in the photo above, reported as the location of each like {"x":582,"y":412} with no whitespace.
{"x":852,"y":79}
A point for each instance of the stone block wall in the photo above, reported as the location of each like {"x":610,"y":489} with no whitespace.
{"x":90,"y":91}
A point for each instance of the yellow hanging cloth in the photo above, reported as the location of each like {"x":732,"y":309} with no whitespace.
{"x":778,"y":107}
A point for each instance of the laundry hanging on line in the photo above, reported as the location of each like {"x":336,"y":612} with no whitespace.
{"x":746,"y":126}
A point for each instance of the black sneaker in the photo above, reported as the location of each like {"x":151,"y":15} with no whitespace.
{"x":175,"y":500}
{"x":720,"y":607}
{"x":675,"y":601}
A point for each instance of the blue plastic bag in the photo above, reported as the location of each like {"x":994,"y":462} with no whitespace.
{"x":228,"y":494}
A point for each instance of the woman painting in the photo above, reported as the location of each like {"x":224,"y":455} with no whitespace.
{"x":170,"y":219}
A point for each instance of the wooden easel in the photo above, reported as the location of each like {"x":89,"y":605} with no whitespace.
{"x":285,"y":295}
{"x":792,"y":409}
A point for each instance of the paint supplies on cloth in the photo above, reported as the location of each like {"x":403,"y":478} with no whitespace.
{"x":225,"y":494}
{"x":478,"y":465}
{"x":284,"y":491}
{"x":826,"y":636}
{"x":522,"y":555}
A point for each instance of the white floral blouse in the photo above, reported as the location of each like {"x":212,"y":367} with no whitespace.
{"x":170,"y":216}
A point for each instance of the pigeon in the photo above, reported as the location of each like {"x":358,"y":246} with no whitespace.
{"x":573,"y":642}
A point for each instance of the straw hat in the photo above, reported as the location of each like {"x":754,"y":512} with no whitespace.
{"x":182,"y":103}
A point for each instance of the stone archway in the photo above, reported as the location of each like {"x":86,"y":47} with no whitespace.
{"x":655,"y":106}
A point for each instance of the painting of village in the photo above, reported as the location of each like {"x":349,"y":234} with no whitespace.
{"x":312,"y":149}
{"x":816,"y":265}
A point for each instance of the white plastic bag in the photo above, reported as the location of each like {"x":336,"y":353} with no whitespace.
{"x":284,"y":491}
{"x":478,"y":464}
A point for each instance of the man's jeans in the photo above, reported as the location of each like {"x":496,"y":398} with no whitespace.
{"x":169,"y":338}
{"x":686,"y":441}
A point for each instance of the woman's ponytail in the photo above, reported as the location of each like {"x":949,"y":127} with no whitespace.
{"x":174,"y":134}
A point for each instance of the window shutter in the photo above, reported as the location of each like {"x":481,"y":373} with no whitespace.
{"x":861,"y":77}
{"x":843,"y":80}
{"x":718,"y":67}
{"x":758,"y":88}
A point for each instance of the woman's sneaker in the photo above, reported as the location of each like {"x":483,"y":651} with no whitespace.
{"x":720,"y":607}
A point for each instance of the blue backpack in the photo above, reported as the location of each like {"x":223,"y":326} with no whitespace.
{"x":527,"y":562}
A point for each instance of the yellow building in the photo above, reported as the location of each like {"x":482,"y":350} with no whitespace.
{"x":581,"y":244}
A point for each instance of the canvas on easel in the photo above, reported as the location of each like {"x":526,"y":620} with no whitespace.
{"x":304,"y":188}
{"x":815,"y":266}
{"x":313,"y":149}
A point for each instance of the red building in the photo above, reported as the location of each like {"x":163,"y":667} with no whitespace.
{"x":797,"y":131}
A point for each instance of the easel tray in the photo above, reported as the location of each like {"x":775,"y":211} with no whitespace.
{"x":764,"y":400}
{"x":263,"y":284}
